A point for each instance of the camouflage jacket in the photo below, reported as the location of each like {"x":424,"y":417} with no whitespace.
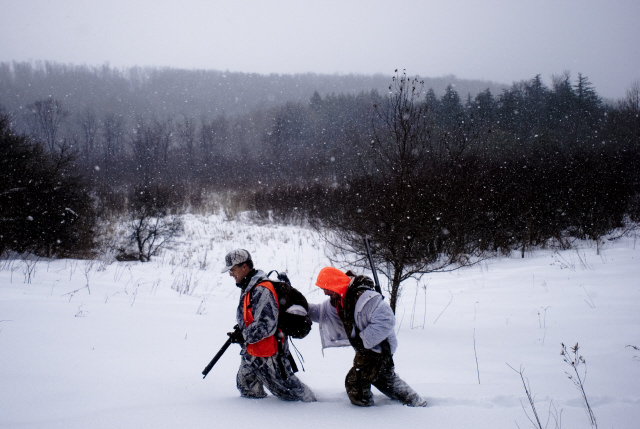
{"x":264,"y":308}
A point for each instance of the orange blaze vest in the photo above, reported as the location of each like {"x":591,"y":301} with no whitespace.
{"x":267,"y":346}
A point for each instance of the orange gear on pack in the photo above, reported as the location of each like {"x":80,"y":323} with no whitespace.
{"x":266,"y":347}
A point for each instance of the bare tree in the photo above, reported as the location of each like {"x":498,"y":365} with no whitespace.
{"x":393,"y":203}
{"x":206,"y":142}
{"x":113,"y":138}
{"x":48,"y":115}
{"x":88,"y":121}
{"x":631,"y":102}
{"x":150,"y":143}
{"x":187,"y":136}
{"x":152,"y":224}
{"x":214,"y":136}
{"x":152,"y":233}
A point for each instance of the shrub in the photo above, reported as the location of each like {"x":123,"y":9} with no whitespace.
{"x":152,"y":223}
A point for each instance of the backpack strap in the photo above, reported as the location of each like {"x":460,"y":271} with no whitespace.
{"x":249,"y":296}
{"x":358,"y":286}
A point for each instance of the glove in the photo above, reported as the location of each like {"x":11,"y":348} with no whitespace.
{"x":236,"y":335}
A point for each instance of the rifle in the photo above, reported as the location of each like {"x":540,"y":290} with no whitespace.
{"x":373,"y":267}
{"x":223,"y":349}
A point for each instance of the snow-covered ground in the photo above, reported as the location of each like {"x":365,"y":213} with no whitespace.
{"x":122,"y":345}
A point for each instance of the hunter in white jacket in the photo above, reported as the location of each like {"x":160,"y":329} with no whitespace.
{"x":373,"y":316}
{"x":354,"y":307}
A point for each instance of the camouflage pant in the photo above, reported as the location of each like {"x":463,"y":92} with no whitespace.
{"x":374,"y":368}
{"x":257,"y":373}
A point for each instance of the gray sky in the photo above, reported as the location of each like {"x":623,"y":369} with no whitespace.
{"x":499,"y":40}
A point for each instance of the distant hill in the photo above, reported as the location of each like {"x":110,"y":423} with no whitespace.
{"x":195,"y":93}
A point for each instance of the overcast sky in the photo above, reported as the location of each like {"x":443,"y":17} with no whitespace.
{"x":499,"y":40}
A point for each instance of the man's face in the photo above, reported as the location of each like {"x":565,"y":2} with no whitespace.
{"x":238,"y":272}
{"x":335,"y":297}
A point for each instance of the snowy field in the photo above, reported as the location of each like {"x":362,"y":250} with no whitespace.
{"x":122,"y":344}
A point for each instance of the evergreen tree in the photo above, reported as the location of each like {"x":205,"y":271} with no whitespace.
{"x":45,"y":206}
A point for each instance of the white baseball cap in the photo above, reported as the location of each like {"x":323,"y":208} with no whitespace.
{"x":235,"y":257}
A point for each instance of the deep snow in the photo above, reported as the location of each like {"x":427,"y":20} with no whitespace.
{"x":128,"y":350}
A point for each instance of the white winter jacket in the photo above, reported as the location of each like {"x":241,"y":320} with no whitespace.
{"x":373,"y":316}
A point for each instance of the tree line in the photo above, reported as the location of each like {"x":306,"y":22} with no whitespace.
{"x":199,"y":120}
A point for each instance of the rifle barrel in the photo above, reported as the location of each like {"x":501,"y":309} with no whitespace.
{"x":373,"y":267}
{"x":223,"y":349}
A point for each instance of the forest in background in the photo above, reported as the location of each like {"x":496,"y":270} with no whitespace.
{"x":434,"y":176}
{"x":197,"y":129}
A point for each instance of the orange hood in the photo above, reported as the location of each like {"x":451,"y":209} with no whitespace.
{"x":334,"y":280}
